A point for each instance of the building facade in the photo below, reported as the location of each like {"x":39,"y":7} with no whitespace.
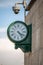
{"x":35,"y":16}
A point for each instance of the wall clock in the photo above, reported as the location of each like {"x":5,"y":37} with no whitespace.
{"x":17,"y":31}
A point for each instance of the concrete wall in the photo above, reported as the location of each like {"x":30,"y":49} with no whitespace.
{"x":35,"y":16}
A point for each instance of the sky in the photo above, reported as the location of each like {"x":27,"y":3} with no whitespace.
{"x":8,"y":55}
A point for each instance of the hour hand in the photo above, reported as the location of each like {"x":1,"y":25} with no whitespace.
{"x":20,"y":34}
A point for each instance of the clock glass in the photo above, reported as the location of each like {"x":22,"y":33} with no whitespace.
{"x":17,"y":31}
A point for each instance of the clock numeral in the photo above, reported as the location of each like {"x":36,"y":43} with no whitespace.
{"x":12,"y":34}
{"x":18,"y":38}
{"x":12,"y":31}
{"x":21,"y":36}
{"x":14,"y":26}
{"x":23,"y":28}
{"x":18,"y":25}
{"x":24,"y":31}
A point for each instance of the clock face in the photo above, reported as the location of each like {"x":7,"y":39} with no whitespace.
{"x":17,"y":31}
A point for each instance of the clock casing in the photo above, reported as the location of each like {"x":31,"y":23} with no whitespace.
{"x":17,"y":31}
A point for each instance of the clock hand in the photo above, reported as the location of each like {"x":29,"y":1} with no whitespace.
{"x":20,"y":34}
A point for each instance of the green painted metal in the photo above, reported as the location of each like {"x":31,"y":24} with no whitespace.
{"x":12,"y":24}
{"x":26,"y":45}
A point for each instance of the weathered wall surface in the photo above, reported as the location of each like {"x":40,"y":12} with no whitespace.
{"x":35,"y":17}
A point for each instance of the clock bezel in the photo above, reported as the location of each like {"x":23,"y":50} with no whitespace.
{"x":12,"y":25}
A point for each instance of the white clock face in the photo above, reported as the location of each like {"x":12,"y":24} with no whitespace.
{"x":18,"y":31}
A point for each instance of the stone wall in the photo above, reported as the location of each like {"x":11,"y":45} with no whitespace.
{"x":35,"y":16}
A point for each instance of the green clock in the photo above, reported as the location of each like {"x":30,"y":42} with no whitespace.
{"x":17,"y":31}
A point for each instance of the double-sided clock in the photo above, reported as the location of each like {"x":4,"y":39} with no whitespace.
{"x":17,"y":31}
